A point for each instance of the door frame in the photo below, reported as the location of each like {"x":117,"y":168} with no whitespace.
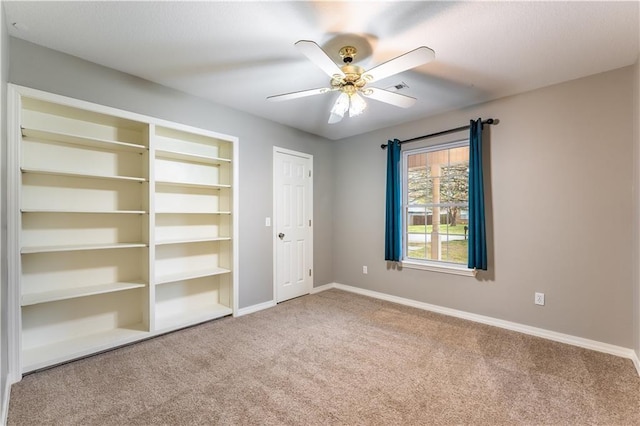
{"x":274,"y":222}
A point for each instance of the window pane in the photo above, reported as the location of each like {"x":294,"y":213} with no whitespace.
{"x":454,"y":187}
{"x":419,"y":233}
{"x":437,"y":209}
{"x":455,"y":242}
{"x":417,"y":249}
{"x":416,"y":229}
{"x":419,"y":186}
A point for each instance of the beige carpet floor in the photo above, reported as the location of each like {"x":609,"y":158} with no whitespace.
{"x":335,"y":358}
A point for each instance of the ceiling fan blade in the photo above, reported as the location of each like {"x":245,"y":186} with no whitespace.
{"x":409,"y":60}
{"x":318,"y":56}
{"x":301,"y":94}
{"x":392,"y":98}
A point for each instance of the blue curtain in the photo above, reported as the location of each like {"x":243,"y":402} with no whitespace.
{"x":393,"y":225}
{"x":477,"y":233}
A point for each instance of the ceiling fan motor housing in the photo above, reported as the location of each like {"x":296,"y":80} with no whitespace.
{"x":352,"y":80}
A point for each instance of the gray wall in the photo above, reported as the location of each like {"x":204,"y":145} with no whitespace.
{"x":635,"y":253}
{"x":558,"y":188}
{"x":45,"y":69}
{"x":559,"y":211}
{"x":4,"y":76}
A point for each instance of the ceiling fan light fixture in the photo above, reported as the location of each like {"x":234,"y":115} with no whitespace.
{"x":339,"y":108}
{"x":358,"y":105}
{"x":335,"y":118}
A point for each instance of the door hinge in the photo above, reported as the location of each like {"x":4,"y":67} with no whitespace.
{"x":309,"y":272}
{"x":309,"y":173}
{"x":309,"y":222}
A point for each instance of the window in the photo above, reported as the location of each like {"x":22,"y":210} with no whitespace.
{"x":436,"y":205}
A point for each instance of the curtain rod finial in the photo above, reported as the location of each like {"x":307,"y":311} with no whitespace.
{"x":383,"y":146}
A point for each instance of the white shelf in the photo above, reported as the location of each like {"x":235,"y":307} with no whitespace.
{"x":71,"y":293}
{"x":186,"y":212}
{"x":52,"y":249}
{"x":191,"y":316}
{"x":178,"y":155}
{"x":83,"y":211}
{"x":191,"y":240}
{"x":164,"y":279}
{"x":193,"y":184}
{"x":80,"y":140}
{"x":43,"y":356}
{"x":81,"y":175}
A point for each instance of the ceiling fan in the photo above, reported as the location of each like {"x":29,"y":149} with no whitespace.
{"x":352,"y":81}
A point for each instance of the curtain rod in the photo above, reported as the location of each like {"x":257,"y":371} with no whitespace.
{"x":444,"y":132}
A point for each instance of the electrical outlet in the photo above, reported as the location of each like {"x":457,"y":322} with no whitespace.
{"x":267,"y":221}
{"x":364,"y":270}
{"x":539,"y":299}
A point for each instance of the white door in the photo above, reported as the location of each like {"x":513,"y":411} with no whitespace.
{"x":293,"y":235}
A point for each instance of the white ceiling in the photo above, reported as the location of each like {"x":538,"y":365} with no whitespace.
{"x":238,"y":53}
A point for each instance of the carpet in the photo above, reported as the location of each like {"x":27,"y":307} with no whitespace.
{"x":335,"y":358}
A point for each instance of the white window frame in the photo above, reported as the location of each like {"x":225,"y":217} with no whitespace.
{"x":427,"y":265}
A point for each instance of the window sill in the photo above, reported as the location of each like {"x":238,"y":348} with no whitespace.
{"x":443,"y":268}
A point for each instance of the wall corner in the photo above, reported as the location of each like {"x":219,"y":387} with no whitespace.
{"x":635,"y":250}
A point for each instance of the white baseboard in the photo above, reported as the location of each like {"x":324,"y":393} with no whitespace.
{"x":324,"y":287}
{"x":271,"y":303}
{"x":636,"y":362}
{"x":521,"y":328}
{"x":255,"y":308}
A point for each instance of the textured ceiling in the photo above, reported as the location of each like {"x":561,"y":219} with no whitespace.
{"x":238,"y":53}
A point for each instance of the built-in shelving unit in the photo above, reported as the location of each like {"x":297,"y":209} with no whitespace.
{"x":193,"y":245}
{"x":124,"y":226}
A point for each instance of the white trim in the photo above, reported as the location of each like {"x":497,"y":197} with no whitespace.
{"x":508,"y":325}
{"x":636,"y":362}
{"x":292,"y":152}
{"x":255,"y":308}
{"x":274,"y":221}
{"x":323,"y":287}
{"x":271,"y":303}
{"x":116,"y":112}
{"x":12,"y":304}
{"x":446,"y":268}
{"x":457,"y":142}
{"x":235,"y":218}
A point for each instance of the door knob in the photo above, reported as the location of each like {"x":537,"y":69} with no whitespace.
{"x":281,"y":235}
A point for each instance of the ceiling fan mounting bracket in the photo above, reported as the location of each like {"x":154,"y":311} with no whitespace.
{"x":347,"y":53}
